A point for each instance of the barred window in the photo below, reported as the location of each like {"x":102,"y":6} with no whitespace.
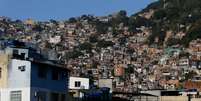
{"x":16,"y":96}
{"x":77,"y":83}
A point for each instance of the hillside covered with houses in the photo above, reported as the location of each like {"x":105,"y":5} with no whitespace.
{"x":156,"y":48}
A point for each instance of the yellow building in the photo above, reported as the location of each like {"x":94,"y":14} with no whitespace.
{"x":29,"y":22}
{"x":4,"y":59}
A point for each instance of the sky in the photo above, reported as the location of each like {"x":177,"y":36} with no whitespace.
{"x":64,"y":9}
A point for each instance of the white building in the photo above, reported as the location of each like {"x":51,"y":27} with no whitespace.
{"x":55,"y":39}
{"x":76,"y":84}
{"x":25,"y":79}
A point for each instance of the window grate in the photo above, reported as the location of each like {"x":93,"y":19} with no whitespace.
{"x":16,"y":96}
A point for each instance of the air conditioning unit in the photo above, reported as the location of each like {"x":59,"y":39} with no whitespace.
{"x":21,"y":68}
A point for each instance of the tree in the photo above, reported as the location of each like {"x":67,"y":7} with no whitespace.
{"x":190,"y":75}
{"x":37,"y":28}
{"x":193,"y":33}
{"x":122,"y":40}
{"x":101,"y":27}
{"x":122,"y":13}
{"x":137,"y":21}
{"x":54,"y":21}
{"x":120,"y":18}
{"x":104,"y":44}
{"x":86,"y":46}
{"x":72,"y":20}
{"x":160,"y":14}
{"x":173,"y":41}
{"x":93,"y":38}
{"x":73,"y":54}
{"x":130,"y":69}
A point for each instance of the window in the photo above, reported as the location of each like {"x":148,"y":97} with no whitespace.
{"x":54,"y":97}
{"x":15,"y":51}
{"x":55,"y":75}
{"x":23,"y":55}
{"x":21,"y":68}
{"x":77,"y":83}
{"x":16,"y":96}
{"x":42,"y":72}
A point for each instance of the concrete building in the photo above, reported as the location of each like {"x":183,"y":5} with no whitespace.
{"x":105,"y":83}
{"x":119,"y":71}
{"x":55,"y":39}
{"x":25,"y":79}
{"x":77,"y":84}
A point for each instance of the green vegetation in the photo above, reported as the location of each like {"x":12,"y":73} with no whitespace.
{"x":190,"y":75}
{"x":74,"y":54}
{"x":85,"y":46}
{"x":38,"y":28}
{"x":169,"y":15}
{"x":93,"y":38}
{"x":72,"y":20}
{"x":174,"y":15}
{"x":173,"y":41}
{"x":104,"y":44}
{"x":193,"y":33}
